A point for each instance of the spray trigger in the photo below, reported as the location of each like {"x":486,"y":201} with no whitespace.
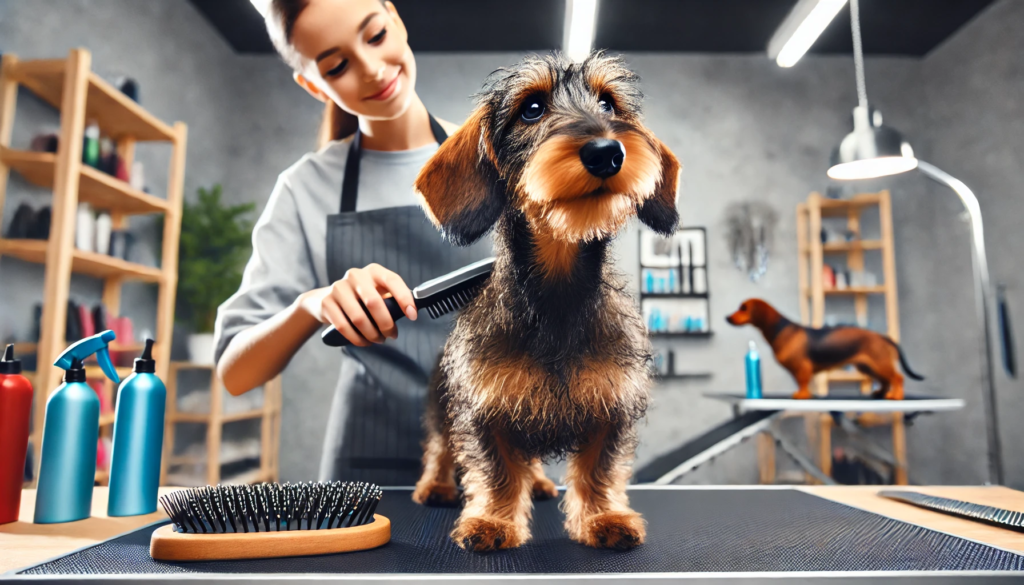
{"x":77,"y":352}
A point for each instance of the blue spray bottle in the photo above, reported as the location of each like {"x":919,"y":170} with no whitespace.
{"x":754,"y":389}
{"x":138,"y":440}
{"x":67,"y":467}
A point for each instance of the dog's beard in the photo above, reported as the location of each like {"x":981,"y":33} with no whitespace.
{"x":576,"y":206}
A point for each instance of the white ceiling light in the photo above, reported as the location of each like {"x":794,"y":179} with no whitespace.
{"x":580,"y":18}
{"x":261,"y":6}
{"x":802,"y":26}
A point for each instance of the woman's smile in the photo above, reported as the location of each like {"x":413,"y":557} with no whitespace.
{"x":388,"y":90}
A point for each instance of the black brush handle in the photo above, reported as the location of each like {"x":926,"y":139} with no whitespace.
{"x":334,"y":338}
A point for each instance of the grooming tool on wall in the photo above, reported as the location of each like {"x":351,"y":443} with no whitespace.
{"x":439,"y":296}
{"x":269,"y":520}
{"x":986,"y":514}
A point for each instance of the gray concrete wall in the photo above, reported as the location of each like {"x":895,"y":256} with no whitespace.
{"x":743,"y":128}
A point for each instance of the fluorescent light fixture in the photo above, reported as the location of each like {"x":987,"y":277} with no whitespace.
{"x":580,"y":18}
{"x":802,"y":26}
{"x":261,"y":6}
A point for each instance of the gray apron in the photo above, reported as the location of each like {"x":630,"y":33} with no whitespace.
{"x":374,"y":430}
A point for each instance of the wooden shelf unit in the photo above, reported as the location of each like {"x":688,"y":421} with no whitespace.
{"x":813,"y":294}
{"x":80,"y":95}
{"x":270,"y":428}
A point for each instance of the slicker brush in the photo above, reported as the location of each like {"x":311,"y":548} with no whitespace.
{"x":269,"y":520}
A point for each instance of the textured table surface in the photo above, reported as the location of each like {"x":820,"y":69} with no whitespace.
{"x":691,"y":530}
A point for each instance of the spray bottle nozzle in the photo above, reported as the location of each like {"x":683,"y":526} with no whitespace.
{"x":9,"y":365}
{"x":77,"y":352}
{"x":145,"y":364}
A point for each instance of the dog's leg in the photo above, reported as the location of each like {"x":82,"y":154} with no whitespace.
{"x":498,"y":482}
{"x":543,"y":488}
{"x":596,"y":506}
{"x":804,"y":374}
{"x":437,"y":486}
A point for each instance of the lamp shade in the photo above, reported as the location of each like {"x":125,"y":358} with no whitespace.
{"x":872,"y":150}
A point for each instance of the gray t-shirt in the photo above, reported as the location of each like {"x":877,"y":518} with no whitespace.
{"x":289,"y":241}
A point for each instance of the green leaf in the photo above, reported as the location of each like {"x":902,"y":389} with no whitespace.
{"x":215,"y":243}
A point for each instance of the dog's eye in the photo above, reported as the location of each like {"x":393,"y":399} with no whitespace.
{"x":605,"y":103}
{"x":533,"y":110}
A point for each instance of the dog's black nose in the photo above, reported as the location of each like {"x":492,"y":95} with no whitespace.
{"x":603,"y":157}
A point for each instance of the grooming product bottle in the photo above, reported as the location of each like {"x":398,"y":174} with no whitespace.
{"x":15,"y":412}
{"x":91,"y":146}
{"x":753,"y":372}
{"x":67,"y":467}
{"x":138,"y":440}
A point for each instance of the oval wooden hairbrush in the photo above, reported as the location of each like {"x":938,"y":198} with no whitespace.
{"x":269,"y":520}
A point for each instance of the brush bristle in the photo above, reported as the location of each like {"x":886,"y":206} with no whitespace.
{"x":453,"y":303}
{"x":271,"y":507}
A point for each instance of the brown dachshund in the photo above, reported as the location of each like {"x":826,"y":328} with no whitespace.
{"x":805,"y":351}
{"x":550,"y":359}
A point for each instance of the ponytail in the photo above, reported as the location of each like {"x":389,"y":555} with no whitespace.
{"x":336,"y":124}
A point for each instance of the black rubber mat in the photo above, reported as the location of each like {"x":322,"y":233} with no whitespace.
{"x":688,"y":531}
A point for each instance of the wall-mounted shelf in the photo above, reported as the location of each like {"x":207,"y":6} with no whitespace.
{"x":680,"y":334}
{"x":684,"y":376}
{"x":674,"y":297}
{"x":644,"y":295}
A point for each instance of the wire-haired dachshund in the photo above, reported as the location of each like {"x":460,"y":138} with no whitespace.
{"x":551,"y":359}
{"x":805,"y":351}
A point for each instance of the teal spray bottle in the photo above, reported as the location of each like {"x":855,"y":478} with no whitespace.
{"x":67,"y":467}
{"x":138,"y":440}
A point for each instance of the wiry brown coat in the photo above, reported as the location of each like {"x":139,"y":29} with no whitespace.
{"x":551,"y":358}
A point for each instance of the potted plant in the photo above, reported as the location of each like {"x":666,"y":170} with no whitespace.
{"x":214,"y":246}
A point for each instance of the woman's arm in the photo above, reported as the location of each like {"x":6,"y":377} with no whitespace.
{"x":260,"y":352}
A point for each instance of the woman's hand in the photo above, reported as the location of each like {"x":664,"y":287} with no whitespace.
{"x":338,"y":304}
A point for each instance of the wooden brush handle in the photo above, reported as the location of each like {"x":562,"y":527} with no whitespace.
{"x":168,"y":545}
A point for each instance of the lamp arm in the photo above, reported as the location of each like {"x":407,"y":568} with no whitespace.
{"x":983,"y":294}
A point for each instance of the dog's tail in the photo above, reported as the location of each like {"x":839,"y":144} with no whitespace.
{"x":903,"y":361}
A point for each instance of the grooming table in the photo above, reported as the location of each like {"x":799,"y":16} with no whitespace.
{"x":755,"y":415}
{"x":740,"y":535}
{"x":843,"y":404}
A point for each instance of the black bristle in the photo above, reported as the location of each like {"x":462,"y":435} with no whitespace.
{"x":270,"y":507}
{"x":454,"y":301}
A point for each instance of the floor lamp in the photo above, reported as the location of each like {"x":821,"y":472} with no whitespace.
{"x":874,"y":150}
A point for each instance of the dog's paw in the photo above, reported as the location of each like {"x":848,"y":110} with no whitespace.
{"x":441,"y":495}
{"x":615,"y":530}
{"x":544,"y":489}
{"x":486,"y":534}
{"x":802,"y":395}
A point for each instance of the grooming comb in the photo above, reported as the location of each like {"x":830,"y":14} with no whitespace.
{"x":987,"y":514}
{"x":269,"y":520}
{"x":439,"y":296}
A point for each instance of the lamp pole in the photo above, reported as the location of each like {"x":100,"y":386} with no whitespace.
{"x":982,"y":292}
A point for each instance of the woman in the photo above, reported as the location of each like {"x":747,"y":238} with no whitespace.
{"x":341,"y":228}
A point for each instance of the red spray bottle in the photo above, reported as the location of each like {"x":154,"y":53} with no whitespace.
{"x":15,"y":411}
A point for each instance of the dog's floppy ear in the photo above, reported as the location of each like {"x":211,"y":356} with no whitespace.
{"x":659,"y":211}
{"x":459,"y":186}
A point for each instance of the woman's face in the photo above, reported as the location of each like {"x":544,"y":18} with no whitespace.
{"x":357,"y":53}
